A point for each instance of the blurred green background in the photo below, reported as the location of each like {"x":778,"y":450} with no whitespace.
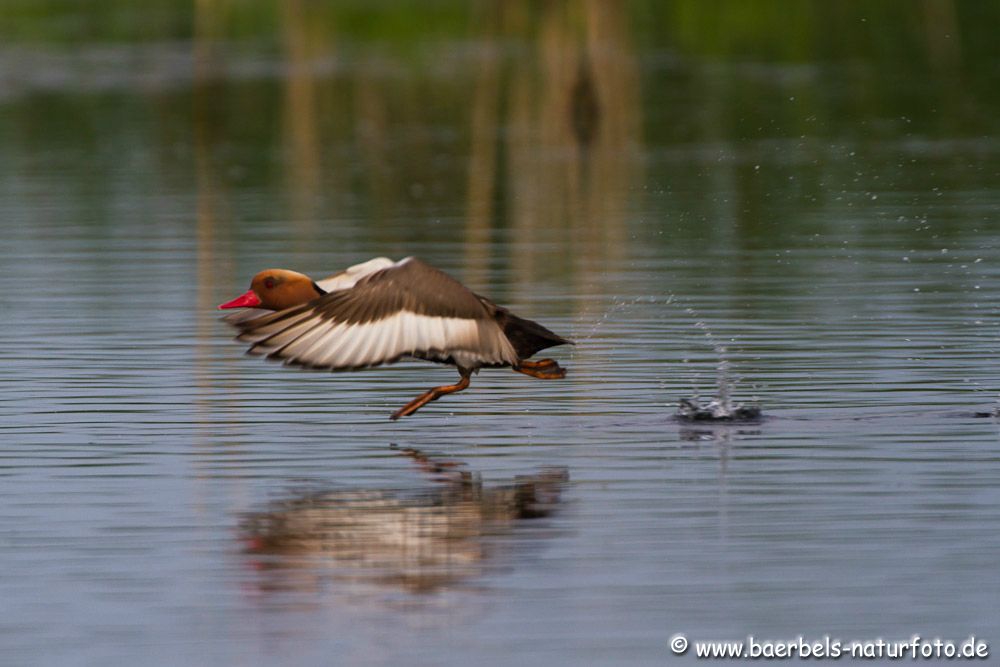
{"x":584,"y":124}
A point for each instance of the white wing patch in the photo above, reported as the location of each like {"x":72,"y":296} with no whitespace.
{"x":308,"y":340}
{"x":351,"y":275}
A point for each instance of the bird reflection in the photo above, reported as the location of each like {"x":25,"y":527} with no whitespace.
{"x":418,"y":540}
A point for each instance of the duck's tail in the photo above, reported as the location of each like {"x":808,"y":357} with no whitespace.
{"x":527,"y":337}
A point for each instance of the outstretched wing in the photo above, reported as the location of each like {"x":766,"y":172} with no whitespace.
{"x":407,"y":309}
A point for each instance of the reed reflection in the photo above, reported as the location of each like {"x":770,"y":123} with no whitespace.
{"x":419,"y":540}
{"x":211,"y":209}
{"x":309,"y":43}
{"x":212,"y":212}
{"x":573,"y":131}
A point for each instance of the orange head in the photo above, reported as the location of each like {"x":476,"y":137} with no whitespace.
{"x":276,"y":289}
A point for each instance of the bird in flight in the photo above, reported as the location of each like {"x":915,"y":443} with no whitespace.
{"x":381,"y":311}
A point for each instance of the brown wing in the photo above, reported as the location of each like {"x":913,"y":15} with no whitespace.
{"x":410,"y":285}
{"x":409,"y":309}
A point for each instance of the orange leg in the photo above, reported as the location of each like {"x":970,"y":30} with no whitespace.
{"x":430,"y":395}
{"x":543,"y":369}
{"x":540,"y":365}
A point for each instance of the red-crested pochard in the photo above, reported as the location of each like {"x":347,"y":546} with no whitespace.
{"x":381,"y":311}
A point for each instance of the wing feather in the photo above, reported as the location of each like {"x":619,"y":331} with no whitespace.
{"x":405,"y":309}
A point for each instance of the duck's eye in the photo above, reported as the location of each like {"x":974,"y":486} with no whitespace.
{"x":269,"y":282}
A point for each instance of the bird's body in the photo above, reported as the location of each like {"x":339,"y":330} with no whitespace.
{"x":381,"y":311}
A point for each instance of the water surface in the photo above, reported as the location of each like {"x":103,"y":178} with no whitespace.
{"x":663,"y":189}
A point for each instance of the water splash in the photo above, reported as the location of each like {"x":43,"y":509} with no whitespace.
{"x":614,"y":309}
{"x":722,"y":407}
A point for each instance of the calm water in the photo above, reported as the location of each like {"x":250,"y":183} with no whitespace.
{"x":829,"y":218}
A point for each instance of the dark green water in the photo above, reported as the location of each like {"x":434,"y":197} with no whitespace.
{"x":814,"y":187}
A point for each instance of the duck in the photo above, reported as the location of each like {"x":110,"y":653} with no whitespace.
{"x":381,"y":311}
